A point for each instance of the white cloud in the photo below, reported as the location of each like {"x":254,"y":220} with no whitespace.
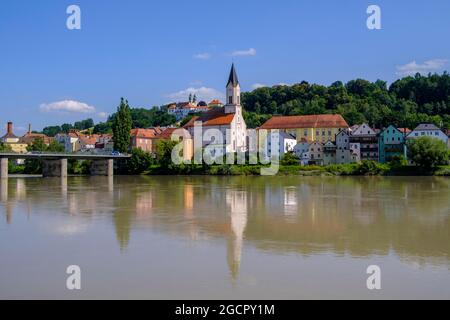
{"x":241,"y":53}
{"x":102,"y":114}
{"x":424,"y":68}
{"x":67,"y":106}
{"x":202,"y":56}
{"x":258,"y":85}
{"x":202,"y":93}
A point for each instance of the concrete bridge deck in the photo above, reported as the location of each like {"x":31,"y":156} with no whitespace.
{"x":55,"y":164}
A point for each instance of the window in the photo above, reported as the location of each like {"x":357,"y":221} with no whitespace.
{"x":329,"y":132}
{"x":230,"y":100}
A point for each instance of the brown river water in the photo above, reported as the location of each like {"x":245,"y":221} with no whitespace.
{"x":225,"y":237}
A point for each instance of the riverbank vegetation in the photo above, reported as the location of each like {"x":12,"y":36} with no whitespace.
{"x":436,"y":154}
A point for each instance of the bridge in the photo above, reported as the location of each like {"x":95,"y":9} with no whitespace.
{"x":55,"y":164}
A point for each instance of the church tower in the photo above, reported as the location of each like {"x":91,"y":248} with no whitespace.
{"x":233,"y":96}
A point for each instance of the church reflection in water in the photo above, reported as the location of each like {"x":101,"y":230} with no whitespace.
{"x":355,"y":216}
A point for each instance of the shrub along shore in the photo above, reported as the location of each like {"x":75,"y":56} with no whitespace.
{"x":366,"y":168}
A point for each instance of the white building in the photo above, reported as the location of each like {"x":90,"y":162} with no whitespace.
{"x":183,"y":109}
{"x":227,"y":120}
{"x":278,"y":143}
{"x":428,"y":130}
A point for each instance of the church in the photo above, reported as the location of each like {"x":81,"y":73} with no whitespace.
{"x":227,"y":119}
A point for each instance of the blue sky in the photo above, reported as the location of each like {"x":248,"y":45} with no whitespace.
{"x":153,"y":52}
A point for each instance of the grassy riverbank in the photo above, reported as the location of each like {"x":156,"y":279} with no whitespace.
{"x":361,"y":169}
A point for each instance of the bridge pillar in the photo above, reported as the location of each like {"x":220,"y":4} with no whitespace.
{"x":4,"y":168}
{"x":54,"y":168}
{"x":102,"y":167}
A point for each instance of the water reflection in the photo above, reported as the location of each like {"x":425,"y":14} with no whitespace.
{"x":343,"y":216}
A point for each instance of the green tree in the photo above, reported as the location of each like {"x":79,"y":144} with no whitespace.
{"x":140,"y":161}
{"x":4,"y":147}
{"x":427,"y":153}
{"x":34,"y":166}
{"x":54,"y":146}
{"x":52,"y":130}
{"x":121,"y":127}
{"x":164,"y":152}
{"x":289,"y":159}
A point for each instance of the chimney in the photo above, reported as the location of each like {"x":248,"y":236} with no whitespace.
{"x":10,"y":128}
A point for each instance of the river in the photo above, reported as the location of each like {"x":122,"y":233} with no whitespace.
{"x":225,"y":237}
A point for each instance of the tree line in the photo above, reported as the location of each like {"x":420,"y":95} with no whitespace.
{"x":405,"y":103}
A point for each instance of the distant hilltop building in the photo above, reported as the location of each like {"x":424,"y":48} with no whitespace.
{"x":227,"y":119}
{"x":215,"y":104}
{"x":183,"y":109}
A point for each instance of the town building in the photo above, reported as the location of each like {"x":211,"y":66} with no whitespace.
{"x":316,"y":153}
{"x":428,"y":130}
{"x":320,"y":128}
{"x":13,"y":141}
{"x":329,"y":153}
{"x":301,"y":150}
{"x":391,"y":142}
{"x":345,"y":152}
{"x":75,"y":141}
{"x":180,"y":135}
{"x":29,"y":137}
{"x":183,"y":109}
{"x":277,"y":143}
{"x":144,"y":138}
{"x":215,"y":104}
{"x":228,"y":120}
{"x":367,"y":139}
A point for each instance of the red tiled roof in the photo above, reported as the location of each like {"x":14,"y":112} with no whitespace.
{"x":167,"y":134}
{"x":145,"y":133}
{"x":215,"y":102}
{"x":213,"y":117}
{"x":87,"y":140}
{"x":310,"y":121}
{"x":404,"y":130}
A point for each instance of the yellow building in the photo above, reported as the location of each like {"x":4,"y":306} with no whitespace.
{"x":11,"y":140}
{"x":320,"y":128}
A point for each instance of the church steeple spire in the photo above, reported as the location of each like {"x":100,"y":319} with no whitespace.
{"x":233,"y":92}
{"x":233,"y":79}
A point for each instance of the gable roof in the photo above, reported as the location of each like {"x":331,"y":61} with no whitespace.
{"x":145,"y":133}
{"x":167,"y":134}
{"x":358,"y":131}
{"x":389,"y":128}
{"x":426,"y":126}
{"x":29,"y":137}
{"x":213,"y":117}
{"x":310,"y":121}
